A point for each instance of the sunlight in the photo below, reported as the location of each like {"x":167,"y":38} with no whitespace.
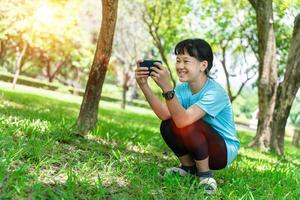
{"x":44,"y":14}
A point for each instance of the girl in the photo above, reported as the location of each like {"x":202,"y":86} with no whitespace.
{"x":197,"y":118}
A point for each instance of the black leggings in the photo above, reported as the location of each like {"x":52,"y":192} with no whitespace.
{"x":199,"y":140}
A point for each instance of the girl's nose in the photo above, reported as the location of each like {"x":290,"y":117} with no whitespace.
{"x":179,"y":65}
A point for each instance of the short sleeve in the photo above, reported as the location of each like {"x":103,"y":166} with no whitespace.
{"x":178,"y":92}
{"x":213,"y":102}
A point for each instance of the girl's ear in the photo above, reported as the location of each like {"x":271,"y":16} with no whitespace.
{"x":204,"y":65}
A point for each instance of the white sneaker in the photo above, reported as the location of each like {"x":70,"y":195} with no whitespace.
{"x":209,"y":185}
{"x":176,"y":170}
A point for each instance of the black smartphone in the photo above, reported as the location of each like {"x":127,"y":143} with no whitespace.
{"x":149,"y":64}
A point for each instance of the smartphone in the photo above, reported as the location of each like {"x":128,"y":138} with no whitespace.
{"x":149,"y":64}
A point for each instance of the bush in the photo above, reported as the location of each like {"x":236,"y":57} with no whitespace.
{"x":7,"y":77}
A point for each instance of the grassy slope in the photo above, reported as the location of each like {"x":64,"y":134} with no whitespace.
{"x":121,"y":159}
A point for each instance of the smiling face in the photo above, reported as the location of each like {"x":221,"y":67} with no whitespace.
{"x":188,"y":68}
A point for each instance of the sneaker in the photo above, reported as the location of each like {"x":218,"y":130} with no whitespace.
{"x":209,"y":185}
{"x":182,"y":170}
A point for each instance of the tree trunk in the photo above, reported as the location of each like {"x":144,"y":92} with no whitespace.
{"x":125,"y":86}
{"x":227,"y":76}
{"x":77,"y":79}
{"x":223,"y":62}
{"x":123,"y":106}
{"x":2,"y":48}
{"x":89,"y":108}
{"x":51,"y":76}
{"x":133,"y":92}
{"x":48,"y":70}
{"x":157,"y":42}
{"x":20,"y":56}
{"x":296,"y":137}
{"x":286,"y":91}
{"x":165,"y":60}
{"x":267,"y":72}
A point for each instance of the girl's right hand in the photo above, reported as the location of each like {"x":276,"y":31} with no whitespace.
{"x":141,"y":74}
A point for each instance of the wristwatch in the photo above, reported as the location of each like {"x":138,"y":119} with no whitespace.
{"x":169,"y":95}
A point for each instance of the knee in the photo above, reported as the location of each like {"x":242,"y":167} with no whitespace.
{"x":188,"y":135}
{"x":191,"y":130}
{"x":188,"y":130}
{"x":165,"y":126}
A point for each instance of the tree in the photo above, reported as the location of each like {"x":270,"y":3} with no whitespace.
{"x":164,"y":21}
{"x":286,"y":91}
{"x":89,"y":107}
{"x":16,"y":25}
{"x":58,"y":37}
{"x":226,"y":33}
{"x":130,"y":43}
{"x":41,"y":36}
{"x":271,"y":124}
{"x":19,"y":54}
{"x":267,"y":77}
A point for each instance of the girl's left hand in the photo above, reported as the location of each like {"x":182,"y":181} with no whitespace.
{"x":161,"y":76}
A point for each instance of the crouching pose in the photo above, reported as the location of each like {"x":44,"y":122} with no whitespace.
{"x":197,"y":118}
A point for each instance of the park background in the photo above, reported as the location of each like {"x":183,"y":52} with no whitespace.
{"x":48,"y":50}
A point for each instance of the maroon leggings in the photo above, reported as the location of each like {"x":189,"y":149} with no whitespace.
{"x":199,"y":140}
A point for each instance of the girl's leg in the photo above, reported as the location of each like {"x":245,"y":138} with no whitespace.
{"x":175,"y":144}
{"x":205,"y":146}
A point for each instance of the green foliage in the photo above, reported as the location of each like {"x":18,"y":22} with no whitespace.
{"x":121,"y":159}
{"x":295,"y":113}
{"x":52,"y":32}
{"x":284,"y":16}
{"x":245,"y":105}
{"x":233,"y":24}
{"x":167,"y":19}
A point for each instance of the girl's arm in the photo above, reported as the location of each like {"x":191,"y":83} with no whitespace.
{"x":159,"y":108}
{"x":183,"y":117}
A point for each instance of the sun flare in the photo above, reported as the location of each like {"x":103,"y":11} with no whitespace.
{"x":44,"y":14}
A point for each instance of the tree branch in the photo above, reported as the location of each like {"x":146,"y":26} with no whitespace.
{"x":253,"y":3}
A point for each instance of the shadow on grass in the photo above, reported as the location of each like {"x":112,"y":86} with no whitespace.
{"x":88,"y":159}
{"x":37,"y":150}
{"x":122,"y":158}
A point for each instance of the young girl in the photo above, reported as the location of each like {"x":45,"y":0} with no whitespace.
{"x":197,"y":118}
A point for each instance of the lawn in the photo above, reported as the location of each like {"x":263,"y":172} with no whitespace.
{"x":122,"y":159}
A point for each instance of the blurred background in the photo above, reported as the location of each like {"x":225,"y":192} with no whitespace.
{"x":50,"y":44}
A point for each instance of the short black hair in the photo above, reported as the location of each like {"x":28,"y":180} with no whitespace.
{"x":197,"y":48}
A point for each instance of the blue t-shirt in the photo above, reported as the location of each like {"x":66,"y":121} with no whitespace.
{"x":213,"y":99}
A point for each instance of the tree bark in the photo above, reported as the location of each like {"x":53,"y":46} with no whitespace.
{"x":19,"y":60}
{"x":89,"y":108}
{"x":286,"y":91}
{"x":267,"y":72}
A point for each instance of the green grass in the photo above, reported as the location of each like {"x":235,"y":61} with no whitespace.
{"x":121,"y":159}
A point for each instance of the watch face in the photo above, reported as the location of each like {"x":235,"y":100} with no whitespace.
{"x":169,"y":95}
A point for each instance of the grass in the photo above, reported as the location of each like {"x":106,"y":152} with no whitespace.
{"x":121,"y":159}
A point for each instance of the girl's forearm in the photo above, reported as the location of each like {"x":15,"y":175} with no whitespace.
{"x":157,"y":106}
{"x":177,"y":112}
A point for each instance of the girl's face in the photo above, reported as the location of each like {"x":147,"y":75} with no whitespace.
{"x":189,"y":68}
